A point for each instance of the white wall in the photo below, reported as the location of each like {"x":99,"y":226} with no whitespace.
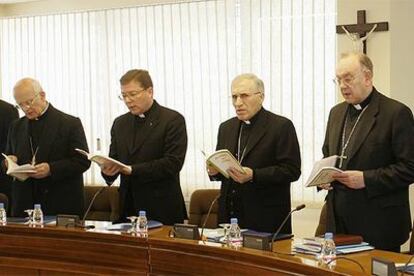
{"x":378,"y":43}
{"x":402,"y":55}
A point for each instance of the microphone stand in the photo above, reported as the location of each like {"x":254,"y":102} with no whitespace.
{"x":89,"y":208}
{"x":300,"y":207}
{"x":208,"y":214}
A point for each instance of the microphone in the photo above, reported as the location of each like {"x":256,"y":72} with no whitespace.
{"x":208,"y":214}
{"x":299,"y":207}
{"x":89,"y":208}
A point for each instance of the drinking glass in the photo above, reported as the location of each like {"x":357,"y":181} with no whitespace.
{"x":29,"y":217}
{"x":226,"y":227}
{"x":133,"y":229}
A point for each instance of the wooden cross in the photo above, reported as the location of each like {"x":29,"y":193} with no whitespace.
{"x":362,"y":28}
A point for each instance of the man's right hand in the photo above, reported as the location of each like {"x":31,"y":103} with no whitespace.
{"x":211,"y":170}
{"x":12,"y":157}
{"x":326,"y":186}
{"x":110,"y":169}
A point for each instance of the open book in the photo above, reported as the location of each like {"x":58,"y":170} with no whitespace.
{"x":19,"y":172}
{"x":222,"y":160}
{"x":101,"y":159}
{"x":322,"y":171}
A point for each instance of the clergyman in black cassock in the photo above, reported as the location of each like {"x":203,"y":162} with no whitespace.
{"x":373,"y":135}
{"x":152,"y":140}
{"x":266,"y":145}
{"x":47,"y":137}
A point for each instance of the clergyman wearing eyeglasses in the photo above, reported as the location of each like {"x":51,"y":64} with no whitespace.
{"x":152,"y":140}
{"x":267,"y":147}
{"x":373,"y":137}
{"x":47,"y":138}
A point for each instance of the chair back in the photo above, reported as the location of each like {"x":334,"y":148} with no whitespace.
{"x":106,"y":204}
{"x":200,"y":203}
{"x":321,"y":229}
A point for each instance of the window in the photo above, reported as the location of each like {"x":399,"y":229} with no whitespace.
{"x":192,"y":50}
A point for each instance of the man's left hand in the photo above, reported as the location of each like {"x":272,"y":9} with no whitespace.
{"x":351,"y":179}
{"x":239,"y":176}
{"x":42,"y":171}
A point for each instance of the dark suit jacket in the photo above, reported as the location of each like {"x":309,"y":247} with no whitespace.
{"x":272,"y":151}
{"x":62,"y":191}
{"x":8,"y":113}
{"x":384,"y":150}
{"x":156,"y":157}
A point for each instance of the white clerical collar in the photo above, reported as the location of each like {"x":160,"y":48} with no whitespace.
{"x":43,"y":112}
{"x":357,"y":106}
{"x":247,"y":122}
{"x":141,"y":115}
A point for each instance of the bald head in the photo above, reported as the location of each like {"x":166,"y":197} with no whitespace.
{"x":30,"y":97}
{"x":354,"y":75}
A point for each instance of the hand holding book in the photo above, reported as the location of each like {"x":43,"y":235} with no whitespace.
{"x":20,"y":172}
{"x":109,"y":166}
{"x":224,"y":162}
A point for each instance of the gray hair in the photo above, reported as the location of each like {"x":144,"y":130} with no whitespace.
{"x":249,"y":76}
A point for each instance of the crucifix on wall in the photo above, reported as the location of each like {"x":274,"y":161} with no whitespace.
{"x":359,"y":32}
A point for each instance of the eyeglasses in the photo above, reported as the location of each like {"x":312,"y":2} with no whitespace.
{"x":130,"y":94}
{"x":243,"y":96}
{"x":347,"y":80}
{"x":27,"y":104}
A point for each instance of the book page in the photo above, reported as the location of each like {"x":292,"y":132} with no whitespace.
{"x":101,"y":159}
{"x":19,"y":172}
{"x":322,"y":171}
{"x":223,"y":160}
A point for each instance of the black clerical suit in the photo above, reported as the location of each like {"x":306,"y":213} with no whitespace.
{"x":55,"y":135}
{"x":8,"y":113}
{"x":155,"y":147}
{"x":272,"y":151}
{"x":382,"y":147}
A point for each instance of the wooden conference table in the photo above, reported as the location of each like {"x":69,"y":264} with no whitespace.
{"x":72,"y":251}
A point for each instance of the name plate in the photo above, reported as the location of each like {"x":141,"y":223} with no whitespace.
{"x":257,"y":240}
{"x":67,"y":220}
{"x":186,"y":231}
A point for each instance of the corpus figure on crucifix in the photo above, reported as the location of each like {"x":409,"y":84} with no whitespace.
{"x":357,"y":41}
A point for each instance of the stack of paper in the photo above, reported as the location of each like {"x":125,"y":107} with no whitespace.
{"x":313,"y":247}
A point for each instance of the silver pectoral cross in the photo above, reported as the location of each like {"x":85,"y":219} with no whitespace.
{"x":341,"y":159}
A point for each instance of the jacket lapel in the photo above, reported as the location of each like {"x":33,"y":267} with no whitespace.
{"x":49,"y":132}
{"x":231,"y":137}
{"x":24,"y":152}
{"x":129,"y":135}
{"x":337,"y":122}
{"x":257,"y":132}
{"x":150,"y":123}
{"x":364,"y":126}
